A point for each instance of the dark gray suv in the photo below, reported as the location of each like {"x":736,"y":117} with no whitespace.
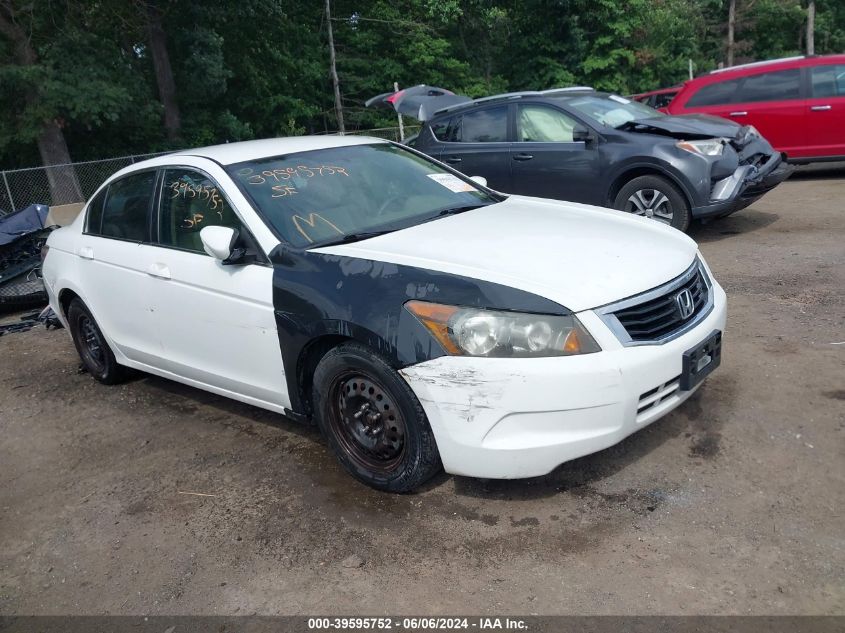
{"x":602,"y":149}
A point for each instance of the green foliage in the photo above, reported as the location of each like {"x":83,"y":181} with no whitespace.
{"x":259,"y":68}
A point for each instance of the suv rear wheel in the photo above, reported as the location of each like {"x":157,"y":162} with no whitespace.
{"x":656,"y":198}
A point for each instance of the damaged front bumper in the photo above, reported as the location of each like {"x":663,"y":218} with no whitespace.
{"x":509,"y":418}
{"x":744,"y":186}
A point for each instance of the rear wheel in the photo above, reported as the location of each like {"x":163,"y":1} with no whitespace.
{"x":91,"y":345}
{"x":656,"y":198}
{"x":373,"y":421}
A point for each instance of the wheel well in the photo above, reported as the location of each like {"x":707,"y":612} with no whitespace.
{"x":636,"y":173}
{"x":309,"y":358}
{"x":65,"y":297}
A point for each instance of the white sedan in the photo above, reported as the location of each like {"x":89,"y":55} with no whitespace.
{"x":420,"y":319}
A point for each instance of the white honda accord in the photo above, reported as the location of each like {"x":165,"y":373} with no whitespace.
{"x":421,"y":320}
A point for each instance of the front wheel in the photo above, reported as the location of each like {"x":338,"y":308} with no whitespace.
{"x":656,"y":198}
{"x":373,"y":421}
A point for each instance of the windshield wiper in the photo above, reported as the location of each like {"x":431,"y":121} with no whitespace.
{"x":354,"y":237}
{"x":456,"y":210}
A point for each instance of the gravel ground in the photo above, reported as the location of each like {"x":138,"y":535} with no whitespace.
{"x":732,"y":504}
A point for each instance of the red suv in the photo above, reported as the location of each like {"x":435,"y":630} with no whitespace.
{"x":797,"y":104}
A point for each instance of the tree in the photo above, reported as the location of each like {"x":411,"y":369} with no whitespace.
{"x":338,"y":104}
{"x":163,"y":71}
{"x":64,"y":186}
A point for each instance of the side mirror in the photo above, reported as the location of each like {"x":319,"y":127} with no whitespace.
{"x":581,"y":134}
{"x":481,"y":180}
{"x":219,"y":242}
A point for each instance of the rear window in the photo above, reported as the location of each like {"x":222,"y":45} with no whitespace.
{"x":127,"y":207}
{"x":828,"y":81}
{"x":446,"y":130}
{"x":714,"y":94}
{"x":482,"y":126}
{"x":485,"y":126}
{"x":94,"y":221}
{"x":776,"y":86}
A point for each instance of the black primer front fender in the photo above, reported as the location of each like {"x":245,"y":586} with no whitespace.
{"x":317,"y":295}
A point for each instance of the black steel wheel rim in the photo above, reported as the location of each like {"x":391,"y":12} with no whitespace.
{"x":92,"y":344}
{"x":366,"y":422}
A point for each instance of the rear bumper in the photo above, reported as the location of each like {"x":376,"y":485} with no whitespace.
{"x":746,"y":185}
{"x":511,"y":418}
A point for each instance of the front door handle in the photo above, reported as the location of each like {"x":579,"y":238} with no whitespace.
{"x":85,"y":252}
{"x":820,"y":108}
{"x":740,"y":113}
{"x":159,"y":270}
{"x":523,"y":156}
{"x":452,"y":159}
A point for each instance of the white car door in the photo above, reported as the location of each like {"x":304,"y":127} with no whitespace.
{"x":114,"y":257}
{"x":216,"y":321}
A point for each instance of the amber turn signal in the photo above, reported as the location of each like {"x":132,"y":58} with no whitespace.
{"x":435,"y":317}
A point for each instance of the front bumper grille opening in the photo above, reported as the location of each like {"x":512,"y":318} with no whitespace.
{"x":657,"y":396}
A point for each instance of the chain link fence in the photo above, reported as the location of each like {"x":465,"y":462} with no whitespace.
{"x":58,"y":184}
{"x":76,"y":182}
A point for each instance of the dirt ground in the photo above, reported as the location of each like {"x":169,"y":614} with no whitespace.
{"x":733,"y":504}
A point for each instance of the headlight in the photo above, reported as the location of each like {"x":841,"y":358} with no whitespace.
{"x":709,"y":147}
{"x":493,"y":333}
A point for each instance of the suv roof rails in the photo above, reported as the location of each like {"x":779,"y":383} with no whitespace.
{"x":754,"y":64}
{"x":515,"y":95}
{"x":552,"y":91}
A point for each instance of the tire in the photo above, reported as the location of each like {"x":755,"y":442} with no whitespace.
{"x":96,"y":355}
{"x":372,"y":420}
{"x":640,"y":195}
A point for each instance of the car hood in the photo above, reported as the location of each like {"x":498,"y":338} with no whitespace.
{"x":576,"y":255}
{"x":687,"y":126}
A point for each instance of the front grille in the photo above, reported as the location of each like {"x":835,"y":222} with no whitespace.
{"x":661,"y":316}
{"x":658,"y":315}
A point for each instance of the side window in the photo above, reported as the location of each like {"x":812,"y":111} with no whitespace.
{"x":540,"y":124}
{"x":714,"y":94}
{"x":484,"y":126}
{"x":777,"y":86}
{"x":828,"y":81}
{"x":661,"y":101}
{"x":94,"y":220}
{"x":126,"y":211}
{"x":190,"y":201}
{"x":446,"y":130}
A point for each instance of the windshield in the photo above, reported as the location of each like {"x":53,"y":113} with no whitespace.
{"x":343,"y":194}
{"x":612,"y":110}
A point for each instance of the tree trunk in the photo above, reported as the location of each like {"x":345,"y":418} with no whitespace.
{"x":64,"y":185}
{"x":163,"y":71}
{"x":338,"y":105}
{"x":811,"y":27}
{"x":731,"y":32}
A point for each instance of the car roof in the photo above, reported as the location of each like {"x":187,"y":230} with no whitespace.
{"x":509,"y":96}
{"x":785,"y":63}
{"x":230,"y":153}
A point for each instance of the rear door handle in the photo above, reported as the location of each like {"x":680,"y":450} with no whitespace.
{"x":740,"y":113}
{"x":85,"y":252}
{"x":523,"y":156}
{"x":159,"y":270}
{"x":820,"y":108}
{"x":452,"y":159}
